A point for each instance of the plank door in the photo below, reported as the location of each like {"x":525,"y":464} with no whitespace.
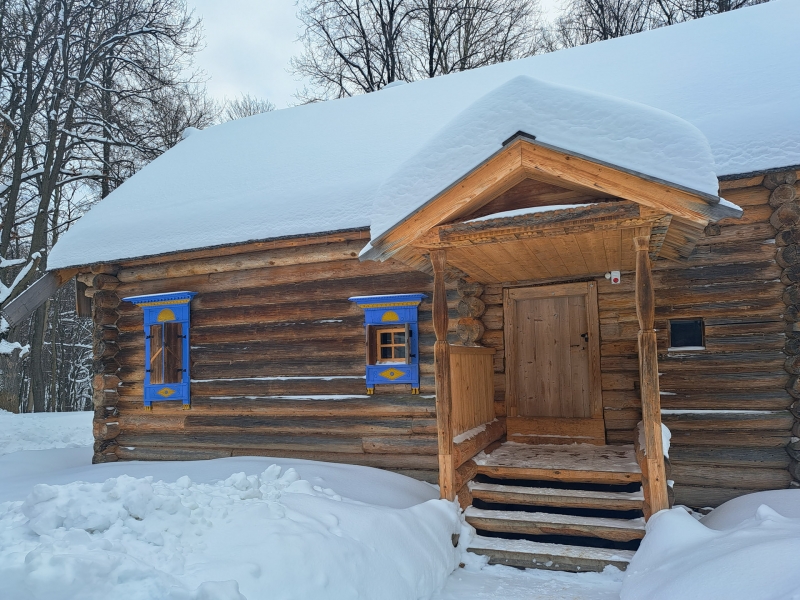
{"x":553,"y":387}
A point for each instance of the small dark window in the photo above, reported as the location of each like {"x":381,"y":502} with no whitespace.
{"x":686,"y":333}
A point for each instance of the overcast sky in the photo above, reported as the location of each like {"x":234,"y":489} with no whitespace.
{"x":248,"y":47}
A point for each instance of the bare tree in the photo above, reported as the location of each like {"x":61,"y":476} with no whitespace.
{"x":86,"y":87}
{"x":351,"y":46}
{"x":245,"y":106}
{"x":457,"y":35}
{"x":586,"y":21}
{"x":358,"y":46}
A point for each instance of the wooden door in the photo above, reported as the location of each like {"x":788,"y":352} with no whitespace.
{"x":553,"y":387}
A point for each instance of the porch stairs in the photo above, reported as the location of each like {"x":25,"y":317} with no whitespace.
{"x":565,"y":507}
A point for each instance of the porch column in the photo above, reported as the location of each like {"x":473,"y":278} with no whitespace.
{"x":656,"y":492}
{"x":441,"y":352}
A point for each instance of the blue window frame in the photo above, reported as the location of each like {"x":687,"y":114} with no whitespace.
{"x":166,"y":344}
{"x":392,"y":339}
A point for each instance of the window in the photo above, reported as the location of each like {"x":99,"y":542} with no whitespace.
{"x":166,"y":351}
{"x":391,"y":339}
{"x":391,"y":344}
{"x":686,"y":334}
{"x":166,"y":344}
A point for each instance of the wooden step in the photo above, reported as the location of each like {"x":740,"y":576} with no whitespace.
{"x":555,"y":557}
{"x":536,"y":523}
{"x":531,"y":496}
{"x":611,"y":465}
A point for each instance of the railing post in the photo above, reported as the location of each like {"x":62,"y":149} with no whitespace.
{"x":656,"y":488}
{"x":441,"y":352}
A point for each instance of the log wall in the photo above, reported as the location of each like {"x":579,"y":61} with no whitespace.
{"x":726,"y":405}
{"x":278,"y":356}
{"x":277,"y":361}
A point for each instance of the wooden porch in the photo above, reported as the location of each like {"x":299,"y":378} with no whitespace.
{"x":566,"y":507}
{"x":547,"y":258}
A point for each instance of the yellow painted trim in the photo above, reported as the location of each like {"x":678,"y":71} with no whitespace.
{"x":165,"y":315}
{"x":392,"y":373}
{"x":164,"y":303}
{"x":388,"y":304}
{"x":390,"y":315}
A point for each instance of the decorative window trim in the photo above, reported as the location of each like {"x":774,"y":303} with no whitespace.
{"x":161,"y":311}
{"x":395,"y":312}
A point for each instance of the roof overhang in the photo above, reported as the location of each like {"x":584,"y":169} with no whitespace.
{"x":523,"y":157}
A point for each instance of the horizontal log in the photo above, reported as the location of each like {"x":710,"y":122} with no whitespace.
{"x":259,"y":278}
{"x":144,"y":453}
{"x":740,"y":234}
{"x":769,"y":458}
{"x":243,"y":441}
{"x":721,"y":381}
{"x":416,"y":444}
{"x":264,"y":259}
{"x":731,"y":477}
{"x":740,"y":438}
{"x":777,"y":399}
{"x":706,"y":496}
{"x":258,"y":246}
{"x":709,"y":421}
{"x":312,"y":291}
{"x":304,"y":425}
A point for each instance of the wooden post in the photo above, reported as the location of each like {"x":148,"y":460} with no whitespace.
{"x":656,"y":488}
{"x":441,"y":352}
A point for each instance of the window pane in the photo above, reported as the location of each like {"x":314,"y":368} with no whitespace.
{"x":386,"y":337}
{"x":386,"y":352}
{"x":156,"y":354}
{"x":173,"y":353}
{"x":399,"y":351}
{"x":686,"y":333}
{"x":400,"y":337}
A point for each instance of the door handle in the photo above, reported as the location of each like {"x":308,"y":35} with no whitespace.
{"x":585,"y":337}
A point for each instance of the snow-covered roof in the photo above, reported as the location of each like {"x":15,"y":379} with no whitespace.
{"x":630,"y":135}
{"x":318,"y":167}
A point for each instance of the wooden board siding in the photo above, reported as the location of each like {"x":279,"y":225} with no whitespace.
{"x":732,"y":281}
{"x":277,"y":362}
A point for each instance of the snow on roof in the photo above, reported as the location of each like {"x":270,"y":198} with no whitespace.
{"x":626,"y":134}
{"x":316,"y":168}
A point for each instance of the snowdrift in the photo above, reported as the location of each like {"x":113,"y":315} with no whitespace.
{"x":749,"y":554}
{"x":273,"y":535}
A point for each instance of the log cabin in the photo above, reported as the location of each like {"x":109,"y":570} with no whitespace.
{"x":504,"y":281}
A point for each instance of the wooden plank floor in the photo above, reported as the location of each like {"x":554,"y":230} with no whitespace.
{"x":577,"y":462}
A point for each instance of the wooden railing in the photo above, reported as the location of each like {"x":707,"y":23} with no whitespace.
{"x":471,"y":387}
{"x":464,"y":397}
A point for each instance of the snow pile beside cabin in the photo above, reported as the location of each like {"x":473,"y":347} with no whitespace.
{"x":37,"y":431}
{"x":746,"y":549}
{"x":272,"y":535}
{"x":635,"y":137}
{"x":314,"y":168}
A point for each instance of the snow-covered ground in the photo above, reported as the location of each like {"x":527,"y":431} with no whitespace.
{"x":233,"y":528}
{"x":257,"y":528}
{"x":44,"y":430}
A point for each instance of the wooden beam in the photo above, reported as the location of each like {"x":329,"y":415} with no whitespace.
{"x":444,"y":401}
{"x":656,"y":488}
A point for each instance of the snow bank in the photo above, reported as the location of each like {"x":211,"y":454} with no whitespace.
{"x":627,"y":134}
{"x":749,"y":556}
{"x":273,"y":535}
{"x":734,"y":512}
{"x":314,"y":168}
{"x":37,"y":431}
